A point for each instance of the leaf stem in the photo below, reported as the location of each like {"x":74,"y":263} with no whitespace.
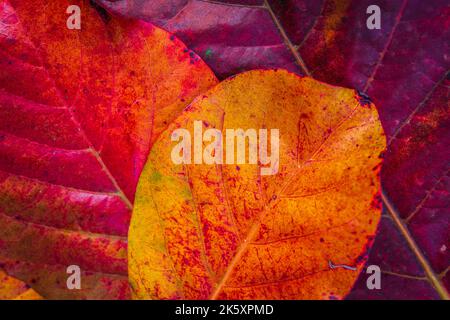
{"x":287,"y":41}
{"x":415,"y":248}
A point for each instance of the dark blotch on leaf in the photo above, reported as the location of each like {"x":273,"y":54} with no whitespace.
{"x":363,"y":98}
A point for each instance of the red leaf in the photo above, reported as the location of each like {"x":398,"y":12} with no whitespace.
{"x":78,"y":112}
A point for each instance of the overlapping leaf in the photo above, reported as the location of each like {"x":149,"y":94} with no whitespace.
{"x":79,"y":110}
{"x":403,"y":67}
{"x":228,"y":231}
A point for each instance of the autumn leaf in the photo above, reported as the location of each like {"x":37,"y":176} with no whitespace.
{"x":13,"y":289}
{"x":228,"y":231}
{"x":79,"y":110}
{"x":403,"y":68}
